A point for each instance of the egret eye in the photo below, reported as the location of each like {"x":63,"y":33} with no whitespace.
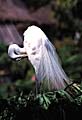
{"x":16,"y":52}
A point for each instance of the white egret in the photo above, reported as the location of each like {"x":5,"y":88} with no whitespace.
{"x":42,"y":55}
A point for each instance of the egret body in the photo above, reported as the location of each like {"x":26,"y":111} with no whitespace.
{"x":42,"y":55}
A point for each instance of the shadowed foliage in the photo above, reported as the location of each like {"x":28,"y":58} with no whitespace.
{"x":58,"y":105}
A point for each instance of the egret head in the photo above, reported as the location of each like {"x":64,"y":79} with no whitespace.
{"x":15,"y":52}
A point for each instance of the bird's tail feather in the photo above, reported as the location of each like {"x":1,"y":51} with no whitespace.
{"x":50,"y":73}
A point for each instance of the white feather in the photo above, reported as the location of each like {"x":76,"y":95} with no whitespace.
{"x":43,"y":57}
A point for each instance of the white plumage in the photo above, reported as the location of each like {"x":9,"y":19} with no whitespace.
{"x":42,"y":55}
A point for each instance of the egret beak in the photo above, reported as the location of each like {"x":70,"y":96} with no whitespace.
{"x":21,"y":56}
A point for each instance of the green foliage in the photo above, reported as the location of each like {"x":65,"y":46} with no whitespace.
{"x":41,"y":106}
{"x":72,"y":61}
{"x":65,"y":16}
{"x":3,"y":48}
{"x":67,"y":4}
{"x":4,"y":60}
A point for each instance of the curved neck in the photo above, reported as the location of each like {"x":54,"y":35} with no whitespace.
{"x":14,"y":51}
